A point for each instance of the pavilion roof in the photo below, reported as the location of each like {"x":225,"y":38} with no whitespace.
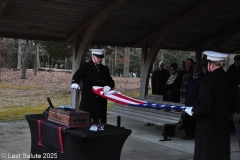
{"x":213,"y":24}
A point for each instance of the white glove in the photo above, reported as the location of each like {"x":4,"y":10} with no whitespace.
{"x":106,"y":89}
{"x":188,"y":110}
{"x":75,"y":86}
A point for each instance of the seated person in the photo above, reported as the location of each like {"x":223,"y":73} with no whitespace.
{"x":173,"y":85}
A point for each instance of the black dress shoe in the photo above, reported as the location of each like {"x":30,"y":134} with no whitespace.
{"x":187,"y":137}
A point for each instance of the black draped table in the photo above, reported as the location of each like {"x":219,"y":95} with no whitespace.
{"x":50,"y":140}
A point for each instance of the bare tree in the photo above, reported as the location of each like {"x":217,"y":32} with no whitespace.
{"x":19,"y":65}
{"x":0,"y":57}
{"x":24,"y":57}
{"x":126,"y":62}
{"x":115,"y":64}
{"x":112,"y":63}
{"x":66,"y":64}
{"x":36,"y":60}
{"x":48,"y":57}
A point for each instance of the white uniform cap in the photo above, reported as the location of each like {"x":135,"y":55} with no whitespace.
{"x":98,"y":52}
{"x":215,"y":56}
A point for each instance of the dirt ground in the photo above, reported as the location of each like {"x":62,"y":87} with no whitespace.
{"x":33,"y":90}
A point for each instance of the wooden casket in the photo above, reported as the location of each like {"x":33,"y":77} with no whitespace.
{"x":69,"y":117}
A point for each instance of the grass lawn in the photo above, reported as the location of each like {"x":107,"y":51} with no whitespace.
{"x":17,"y":101}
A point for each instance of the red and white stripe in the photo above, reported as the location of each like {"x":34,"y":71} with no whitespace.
{"x":116,"y":96}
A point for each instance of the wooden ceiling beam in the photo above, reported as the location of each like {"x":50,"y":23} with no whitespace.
{"x":115,"y":4}
{"x":170,"y":27}
{"x":218,"y":38}
{"x":109,"y":43}
{"x":95,"y":24}
{"x":3,"y":4}
{"x":234,"y":49}
{"x":70,"y":37}
{"x":162,"y":34}
{"x":30,"y":37}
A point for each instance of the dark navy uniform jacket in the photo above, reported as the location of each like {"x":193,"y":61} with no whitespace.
{"x":158,"y":79}
{"x":93,"y":75}
{"x":212,"y":122}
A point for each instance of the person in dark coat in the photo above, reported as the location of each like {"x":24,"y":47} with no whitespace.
{"x":93,"y":73}
{"x":215,"y":103}
{"x":172,"y":86}
{"x":191,"y":99}
{"x":183,"y":68}
{"x":233,"y":73}
{"x":187,"y":73}
{"x":204,"y":70}
{"x":159,"y":77}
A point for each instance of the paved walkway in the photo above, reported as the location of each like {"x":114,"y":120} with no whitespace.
{"x":142,"y":144}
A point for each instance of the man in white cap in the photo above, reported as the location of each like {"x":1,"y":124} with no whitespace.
{"x":215,"y":103}
{"x":93,"y":73}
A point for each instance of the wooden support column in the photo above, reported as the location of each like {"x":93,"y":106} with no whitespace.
{"x":147,"y":66}
{"x":143,"y":82}
{"x":75,"y":93}
{"x":76,"y":44}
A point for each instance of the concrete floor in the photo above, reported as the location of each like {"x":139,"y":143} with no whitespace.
{"x":142,"y":144}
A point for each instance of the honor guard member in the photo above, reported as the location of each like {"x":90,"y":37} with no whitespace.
{"x":93,"y":73}
{"x":212,"y":139}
